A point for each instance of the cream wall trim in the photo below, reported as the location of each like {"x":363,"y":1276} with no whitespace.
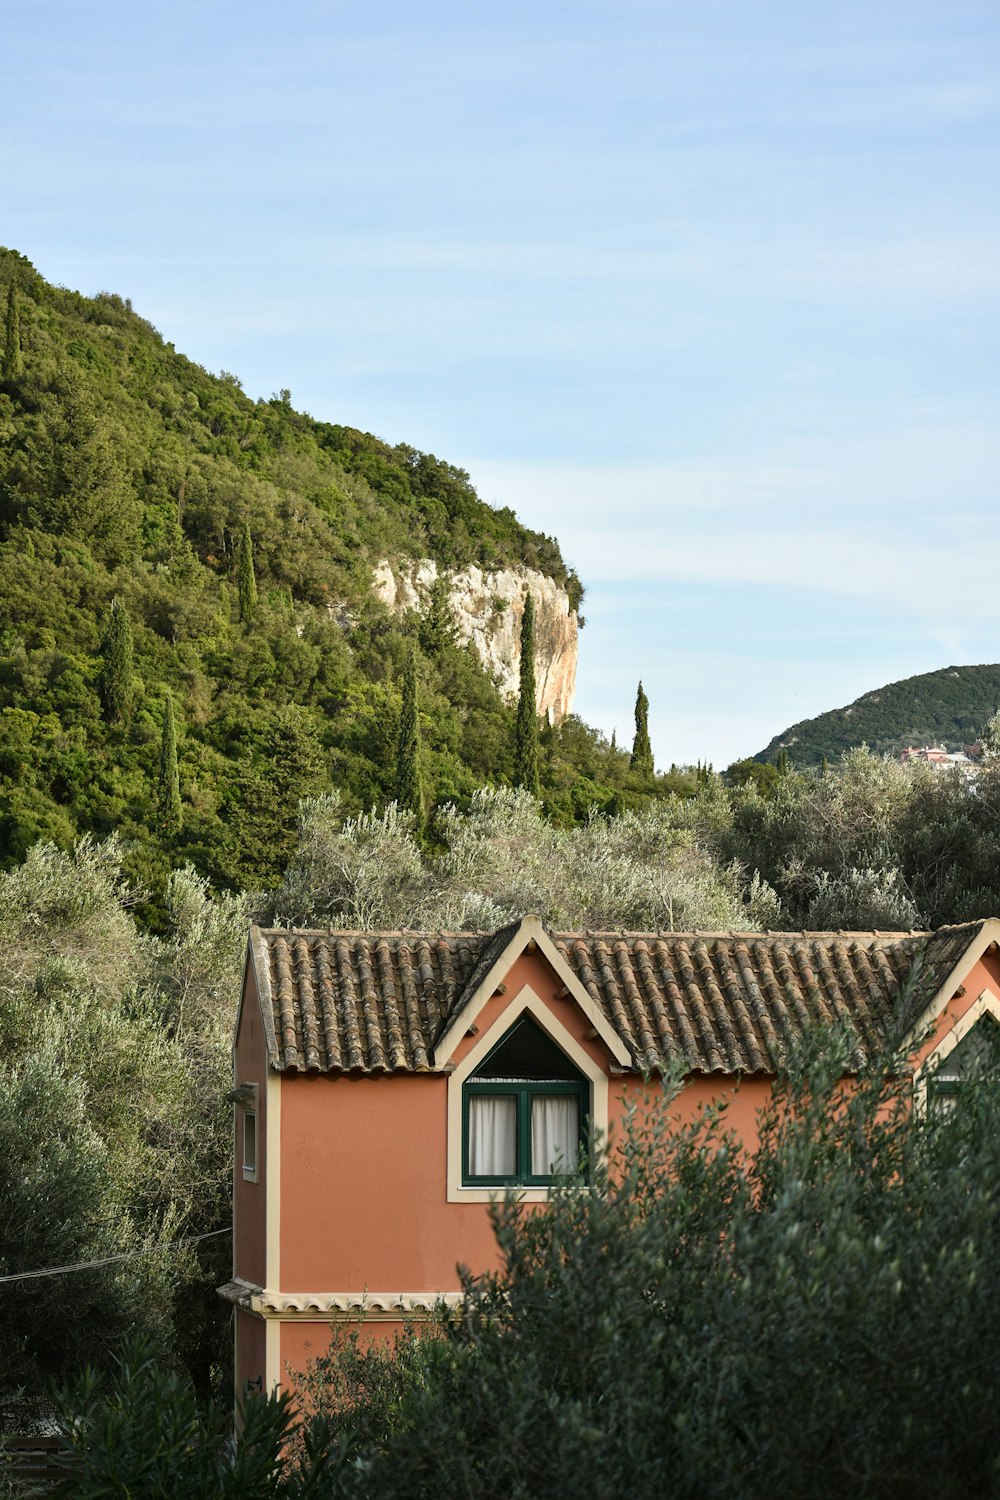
{"x":525,"y":1002}
{"x":370,"y":1307}
{"x":987,"y":1005}
{"x":532,"y":930}
{"x":272,"y":1187}
{"x":272,"y":1356}
{"x":990,"y":933}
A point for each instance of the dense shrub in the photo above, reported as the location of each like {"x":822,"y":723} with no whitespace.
{"x":114,"y":1127}
{"x":821,"y":1320}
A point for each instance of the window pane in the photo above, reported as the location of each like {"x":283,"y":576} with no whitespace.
{"x":555,"y":1134}
{"x":493,"y":1136}
{"x":250,"y":1142}
{"x":526,"y":1052}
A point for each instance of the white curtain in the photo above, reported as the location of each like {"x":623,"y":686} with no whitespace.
{"x":555,"y":1134}
{"x":493,"y":1136}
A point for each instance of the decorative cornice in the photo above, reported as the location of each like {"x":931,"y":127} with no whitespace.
{"x":335,"y":1307}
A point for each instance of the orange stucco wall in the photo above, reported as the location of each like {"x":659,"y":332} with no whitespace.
{"x":363,"y":1168}
{"x":250,"y":1352}
{"x":744,"y":1099}
{"x":250,"y":1066}
{"x":363,"y":1187}
{"x":302,"y":1342}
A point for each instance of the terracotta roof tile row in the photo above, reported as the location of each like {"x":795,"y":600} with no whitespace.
{"x":360,"y":1001}
{"x":378,"y":1002}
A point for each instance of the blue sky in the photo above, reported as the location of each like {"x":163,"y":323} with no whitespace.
{"x":709,"y":290}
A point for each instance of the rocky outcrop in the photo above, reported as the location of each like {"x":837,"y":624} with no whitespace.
{"x":487,"y":610}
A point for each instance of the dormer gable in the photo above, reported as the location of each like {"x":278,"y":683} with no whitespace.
{"x":965,"y":969}
{"x":491,"y":993}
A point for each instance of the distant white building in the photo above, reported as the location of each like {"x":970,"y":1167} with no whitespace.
{"x":941,"y":759}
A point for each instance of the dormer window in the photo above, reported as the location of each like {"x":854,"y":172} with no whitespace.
{"x":976,"y":1055}
{"x":523,"y":1112}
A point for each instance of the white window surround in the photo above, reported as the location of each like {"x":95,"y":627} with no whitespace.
{"x":251,"y":1145}
{"x":525,"y":1002}
{"x":246,"y":1096}
{"x":986,"y":1005}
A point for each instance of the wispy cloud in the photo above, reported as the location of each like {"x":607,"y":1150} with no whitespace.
{"x":888,"y":518}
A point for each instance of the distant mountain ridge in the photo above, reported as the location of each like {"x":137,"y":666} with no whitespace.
{"x":948,"y":707}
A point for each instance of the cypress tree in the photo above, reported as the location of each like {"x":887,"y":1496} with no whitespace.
{"x":642,"y":750}
{"x":526,"y":734}
{"x":247,"y":578}
{"x":168,"y":798}
{"x":409,"y":792}
{"x":437,"y":624}
{"x":116,"y":673}
{"x":782,"y":763}
{"x":12,"y":362}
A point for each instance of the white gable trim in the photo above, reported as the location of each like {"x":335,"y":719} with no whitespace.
{"x":262,"y":974}
{"x":247,"y":961}
{"x":256,"y":963}
{"x":989,"y":934}
{"x":525,"y":1002}
{"x":986,"y":1005}
{"x":531,"y":930}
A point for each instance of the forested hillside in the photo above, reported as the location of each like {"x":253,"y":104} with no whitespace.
{"x":235,"y":540}
{"x":949,"y":707}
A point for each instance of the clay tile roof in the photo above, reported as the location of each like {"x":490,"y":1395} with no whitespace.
{"x":723,"y":1002}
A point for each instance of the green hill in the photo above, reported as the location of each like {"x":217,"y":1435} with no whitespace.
{"x":949,"y":707}
{"x":129,"y":473}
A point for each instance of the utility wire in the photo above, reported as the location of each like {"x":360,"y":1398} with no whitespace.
{"x":88,"y":1265}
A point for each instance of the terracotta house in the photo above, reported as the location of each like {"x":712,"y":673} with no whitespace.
{"x":389,"y":1084}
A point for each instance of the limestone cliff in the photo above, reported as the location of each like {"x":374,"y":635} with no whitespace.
{"x":487,"y":610}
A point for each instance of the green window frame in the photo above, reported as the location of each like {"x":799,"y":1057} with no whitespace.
{"x":524,"y":1091}
{"x":525,"y":1065}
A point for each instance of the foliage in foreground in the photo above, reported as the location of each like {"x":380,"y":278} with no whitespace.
{"x":822,"y":1320}
{"x":114,"y":1127}
{"x":144,"y":1434}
